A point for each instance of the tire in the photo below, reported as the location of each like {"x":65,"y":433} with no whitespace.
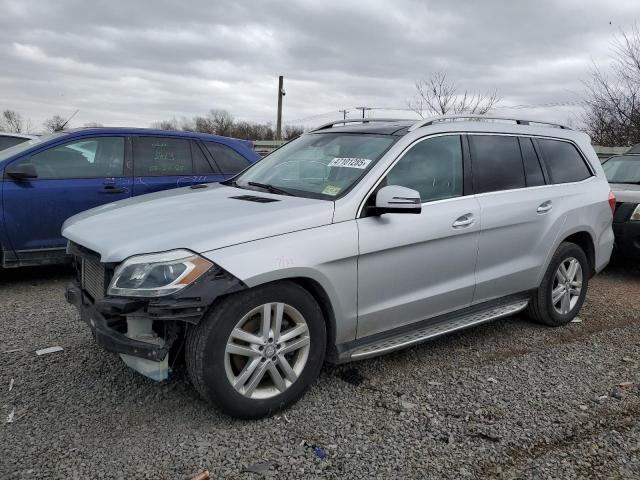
{"x":541,"y":307}
{"x":212,"y":368}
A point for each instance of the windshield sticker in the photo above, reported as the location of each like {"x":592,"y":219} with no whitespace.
{"x":331,"y":190}
{"x":346,"y":162}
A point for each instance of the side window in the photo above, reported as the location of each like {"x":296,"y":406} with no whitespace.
{"x":201,"y":165}
{"x":532,"y":168}
{"x":433,"y":167}
{"x":497,"y":163}
{"x":563,"y":161}
{"x":229,"y":161}
{"x":86,"y":158}
{"x":6,"y":141}
{"x":161,"y":156}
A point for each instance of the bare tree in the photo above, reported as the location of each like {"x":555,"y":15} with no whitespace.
{"x":437,"y":95}
{"x":612,"y":113}
{"x":292,"y":131}
{"x":166,"y":124}
{"x":55,"y":123}
{"x":93,"y":125}
{"x":13,"y":122}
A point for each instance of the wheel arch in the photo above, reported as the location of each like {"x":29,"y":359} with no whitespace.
{"x":585,"y":241}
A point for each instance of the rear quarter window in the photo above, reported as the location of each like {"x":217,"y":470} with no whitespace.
{"x":228,"y":160}
{"x":564,"y":162}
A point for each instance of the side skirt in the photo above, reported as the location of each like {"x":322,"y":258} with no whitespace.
{"x":419,"y":332}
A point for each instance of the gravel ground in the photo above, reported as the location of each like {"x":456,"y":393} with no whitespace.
{"x":506,"y":400}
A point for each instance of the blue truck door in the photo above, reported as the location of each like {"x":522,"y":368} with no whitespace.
{"x":71,"y":177}
{"x":160,"y":163}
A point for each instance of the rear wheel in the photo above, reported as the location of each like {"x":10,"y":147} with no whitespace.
{"x":257,"y":351}
{"x":563,"y":289}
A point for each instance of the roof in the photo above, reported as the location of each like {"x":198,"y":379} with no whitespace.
{"x":384,"y":127}
{"x":403,"y":126}
{"x":151,"y":131}
{"x":17,"y":135}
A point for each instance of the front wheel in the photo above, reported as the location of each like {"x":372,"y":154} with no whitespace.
{"x":257,"y":351}
{"x":563,"y":289}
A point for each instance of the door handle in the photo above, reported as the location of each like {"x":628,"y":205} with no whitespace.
{"x":113,"y":189}
{"x":545,"y":207}
{"x":464,"y":221}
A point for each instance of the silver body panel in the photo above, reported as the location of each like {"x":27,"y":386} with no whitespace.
{"x":379,"y":273}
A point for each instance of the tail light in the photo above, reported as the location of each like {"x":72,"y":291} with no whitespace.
{"x":612,"y":202}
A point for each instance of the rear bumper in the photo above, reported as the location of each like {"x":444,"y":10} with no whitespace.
{"x":627,"y":235}
{"x":104,"y":332}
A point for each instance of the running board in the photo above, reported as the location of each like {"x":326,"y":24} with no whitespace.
{"x":434,"y":329}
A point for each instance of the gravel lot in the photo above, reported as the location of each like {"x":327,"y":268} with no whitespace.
{"x":506,"y":400}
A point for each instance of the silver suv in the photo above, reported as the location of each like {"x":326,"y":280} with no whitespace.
{"x":356,"y":239}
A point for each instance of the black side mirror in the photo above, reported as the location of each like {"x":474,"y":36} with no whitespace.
{"x":22,"y":171}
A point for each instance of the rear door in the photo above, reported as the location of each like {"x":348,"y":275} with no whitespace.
{"x":161,"y":163}
{"x":72,"y":177}
{"x":518,"y":212}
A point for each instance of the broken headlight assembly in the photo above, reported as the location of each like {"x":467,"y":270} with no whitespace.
{"x":157,"y":274}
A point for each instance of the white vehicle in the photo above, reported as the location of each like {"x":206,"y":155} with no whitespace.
{"x":356,"y":239}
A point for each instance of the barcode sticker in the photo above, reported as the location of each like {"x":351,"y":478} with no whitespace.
{"x":347,"y":162}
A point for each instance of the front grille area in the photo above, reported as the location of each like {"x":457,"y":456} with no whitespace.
{"x":92,"y":278}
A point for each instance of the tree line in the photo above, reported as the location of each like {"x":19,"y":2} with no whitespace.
{"x":221,"y":122}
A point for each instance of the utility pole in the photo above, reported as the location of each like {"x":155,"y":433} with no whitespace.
{"x":280,"y":95}
{"x":363,"y":109}
{"x":344,"y":113}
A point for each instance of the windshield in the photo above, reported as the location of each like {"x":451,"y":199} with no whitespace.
{"x":24,"y":146}
{"x":623,"y":169}
{"x":322,"y":165}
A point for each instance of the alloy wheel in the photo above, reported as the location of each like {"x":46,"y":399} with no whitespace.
{"x":267,"y":350}
{"x":567,"y":286}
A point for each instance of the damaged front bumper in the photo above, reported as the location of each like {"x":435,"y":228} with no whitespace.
{"x":105,"y":332}
{"x":145,"y":331}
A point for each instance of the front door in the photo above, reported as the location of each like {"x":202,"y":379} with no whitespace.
{"x":413,"y":267}
{"x":72,"y":177}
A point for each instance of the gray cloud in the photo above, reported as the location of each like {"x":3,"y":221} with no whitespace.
{"x":131,"y":63}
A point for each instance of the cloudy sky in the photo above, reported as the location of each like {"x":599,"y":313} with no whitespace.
{"x":135,"y":62}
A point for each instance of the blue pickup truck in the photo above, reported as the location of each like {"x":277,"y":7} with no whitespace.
{"x":48,"y":179}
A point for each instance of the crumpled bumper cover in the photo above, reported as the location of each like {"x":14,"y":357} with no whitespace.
{"x":105,"y":316}
{"x":108,"y":337}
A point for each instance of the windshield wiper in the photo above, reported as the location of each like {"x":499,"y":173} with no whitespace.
{"x":270,"y":188}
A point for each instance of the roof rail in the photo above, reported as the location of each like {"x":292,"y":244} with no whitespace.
{"x":359,"y":120}
{"x":444,"y":118}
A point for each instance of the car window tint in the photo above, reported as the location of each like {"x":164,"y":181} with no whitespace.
{"x":532,"y":168}
{"x":229,"y":161}
{"x":563,"y":161}
{"x":161,"y":156}
{"x":433,"y":167}
{"x":201,"y":165}
{"x":6,"y":142}
{"x":86,"y":158}
{"x":497,"y":163}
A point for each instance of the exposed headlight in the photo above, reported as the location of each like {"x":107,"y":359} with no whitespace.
{"x":635,"y":216}
{"x":157,"y":274}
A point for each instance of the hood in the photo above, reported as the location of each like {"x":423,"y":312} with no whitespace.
{"x":626,"y":192}
{"x":200,"y":220}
